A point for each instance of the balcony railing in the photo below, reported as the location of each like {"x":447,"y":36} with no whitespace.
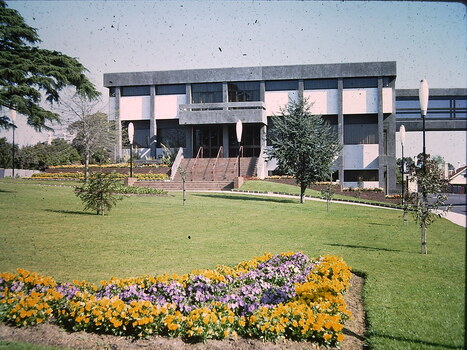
{"x":221,"y":113}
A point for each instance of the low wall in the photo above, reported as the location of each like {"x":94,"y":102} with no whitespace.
{"x":18,"y":172}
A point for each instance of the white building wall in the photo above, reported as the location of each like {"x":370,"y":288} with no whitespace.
{"x":167,"y":106}
{"x":360,"y":101}
{"x":135,"y":108}
{"x":361,"y":156}
{"x":388,"y":106}
{"x":323,"y":101}
{"x":275,"y":100}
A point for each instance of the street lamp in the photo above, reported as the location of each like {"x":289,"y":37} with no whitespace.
{"x":423,"y":98}
{"x":402,"y":135}
{"x":239,"y":130}
{"x":13,"y":120}
{"x":131,"y":133}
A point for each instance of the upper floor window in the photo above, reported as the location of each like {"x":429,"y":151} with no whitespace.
{"x":206,"y":93}
{"x":360,"y":129}
{"x":438,"y":107}
{"x":173,"y":89}
{"x":359,"y":83}
{"x":143,"y":90}
{"x":320,"y":84}
{"x":244,"y":91}
{"x":281,"y":85}
{"x":112,"y":91}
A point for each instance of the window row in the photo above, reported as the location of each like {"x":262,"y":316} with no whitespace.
{"x":247,"y":91}
{"x":438,"y":107}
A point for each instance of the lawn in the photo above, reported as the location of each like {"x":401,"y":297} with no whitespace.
{"x":413,"y":301}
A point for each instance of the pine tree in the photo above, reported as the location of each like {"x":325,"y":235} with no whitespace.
{"x":303,"y":144}
{"x":27,"y":72}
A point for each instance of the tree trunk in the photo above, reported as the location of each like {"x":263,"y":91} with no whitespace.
{"x":86,"y":167}
{"x":303,"y":187}
{"x":424,"y":249}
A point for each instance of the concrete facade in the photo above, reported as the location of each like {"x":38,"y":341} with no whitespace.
{"x":211,"y":124}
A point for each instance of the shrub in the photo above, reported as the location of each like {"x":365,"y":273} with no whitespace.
{"x":98,"y":193}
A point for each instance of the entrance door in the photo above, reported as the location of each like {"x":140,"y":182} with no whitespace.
{"x":209,"y":137}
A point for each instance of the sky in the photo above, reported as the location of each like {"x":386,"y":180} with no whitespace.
{"x":426,"y":39}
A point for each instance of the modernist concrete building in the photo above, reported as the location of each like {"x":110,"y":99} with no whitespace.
{"x":197,"y":109}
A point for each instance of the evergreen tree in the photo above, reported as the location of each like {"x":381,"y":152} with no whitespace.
{"x":303,"y":144}
{"x":27,"y":72}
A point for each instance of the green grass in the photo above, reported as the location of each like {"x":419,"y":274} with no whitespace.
{"x":9,"y":345}
{"x":413,"y":301}
{"x":267,"y":186}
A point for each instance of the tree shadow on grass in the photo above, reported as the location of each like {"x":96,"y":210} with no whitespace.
{"x":240,"y":197}
{"x":363,"y":247}
{"x":418,"y":341}
{"x":73,"y":212}
{"x":6,"y":191}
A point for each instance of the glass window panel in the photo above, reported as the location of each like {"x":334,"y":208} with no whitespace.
{"x":317,"y":84}
{"x":355,"y":83}
{"x":175,"y":89}
{"x":461,"y":114}
{"x":243,"y":91}
{"x":360,"y":175}
{"x":461,"y":103}
{"x":432,"y":103}
{"x":407,"y":115}
{"x":402,"y":104}
{"x":281,"y":85}
{"x":432,"y":114}
{"x":136,"y":90}
{"x":206,"y":93}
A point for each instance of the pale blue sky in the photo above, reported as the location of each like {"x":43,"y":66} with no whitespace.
{"x":426,"y":39}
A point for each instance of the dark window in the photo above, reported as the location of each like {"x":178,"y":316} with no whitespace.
{"x":357,"y":83}
{"x":206,"y":93}
{"x":141,"y":135}
{"x":244,"y":91}
{"x":136,"y":90}
{"x":112,"y":92}
{"x":438,"y":107}
{"x":171,"y":137}
{"x":360,"y":129}
{"x":318,"y":84}
{"x":360,"y":175}
{"x":176,"y":89}
{"x":333,"y":123}
{"x":281,"y":85}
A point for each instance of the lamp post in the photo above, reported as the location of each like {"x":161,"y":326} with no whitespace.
{"x":239,"y":130}
{"x":402,"y":136}
{"x":13,"y":120}
{"x":131,"y":133}
{"x":423,"y":97}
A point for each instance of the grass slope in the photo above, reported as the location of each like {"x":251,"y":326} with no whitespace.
{"x":413,"y":301}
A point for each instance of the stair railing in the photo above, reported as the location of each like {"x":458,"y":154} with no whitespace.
{"x":237,"y":161}
{"x":198,"y":155}
{"x":219,"y":154}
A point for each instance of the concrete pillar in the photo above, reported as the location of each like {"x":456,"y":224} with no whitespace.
{"x":118,"y":123}
{"x":382,"y":166}
{"x":340,"y":128}
{"x":152,"y":122}
{"x":301,"y":87}
{"x":225,"y":92}
{"x":262,"y":90}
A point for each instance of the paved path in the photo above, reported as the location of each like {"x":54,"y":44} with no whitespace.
{"x":456,"y":218}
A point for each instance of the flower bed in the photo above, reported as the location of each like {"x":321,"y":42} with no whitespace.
{"x":269,"y":297}
{"x":80,"y":176}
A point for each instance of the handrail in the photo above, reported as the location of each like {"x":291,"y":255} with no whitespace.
{"x":176,"y":163}
{"x":237,"y":161}
{"x":198,"y":154}
{"x":219,"y":153}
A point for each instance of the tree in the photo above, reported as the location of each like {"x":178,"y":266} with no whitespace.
{"x":6,"y":154}
{"x":98,"y":193}
{"x":28,"y":72}
{"x":95,"y":135}
{"x":41,"y":155}
{"x":430,"y":180}
{"x":303,"y":144}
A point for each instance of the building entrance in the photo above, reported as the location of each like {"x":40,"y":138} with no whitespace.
{"x":209,"y":137}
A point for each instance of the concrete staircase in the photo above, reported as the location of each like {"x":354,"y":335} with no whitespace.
{"x":207,"y":174}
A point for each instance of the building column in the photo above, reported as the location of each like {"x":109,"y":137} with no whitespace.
{"x":225,"y":140}
{"x":225,"y":92}
{"x":118,"y":124}
{"x":152,"y":122}
{"x":340,"y":129}
{"x":382,"y":166}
